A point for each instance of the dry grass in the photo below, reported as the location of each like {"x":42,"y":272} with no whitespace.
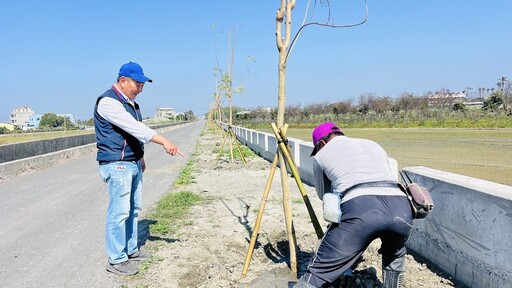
{"x":23,"y":137}
{"x":479,"y":153}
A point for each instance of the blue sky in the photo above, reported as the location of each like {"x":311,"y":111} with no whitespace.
{"x":58,"y":56}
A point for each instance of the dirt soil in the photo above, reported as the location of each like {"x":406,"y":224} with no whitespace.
{"x":211,"y":250}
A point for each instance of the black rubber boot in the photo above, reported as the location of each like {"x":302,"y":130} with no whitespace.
{"x":392,"y":279}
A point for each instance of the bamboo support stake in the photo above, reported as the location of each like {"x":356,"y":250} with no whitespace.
{"x":283,"y":157}
{"x":240,"y":150}
{"x":222,"y":146}
{"x":220,"y":130}
{"x":231,"y":134}
{"x":292,"y":242}
{"x":260,"y":216}
{"x":296,"y":176}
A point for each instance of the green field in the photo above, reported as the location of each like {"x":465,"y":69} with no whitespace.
{"x":22,"y":137}
{"x":479,"y":153}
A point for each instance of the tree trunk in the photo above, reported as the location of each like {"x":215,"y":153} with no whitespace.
{"x":285,"y":13}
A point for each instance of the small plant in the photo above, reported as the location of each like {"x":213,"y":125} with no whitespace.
{"x":297,"y":200}
{"x":145,"y":265}
{"x":186,"y":175}
{"x":170,"y":211}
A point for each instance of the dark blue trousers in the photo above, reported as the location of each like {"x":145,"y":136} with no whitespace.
{"x":364,"y":219}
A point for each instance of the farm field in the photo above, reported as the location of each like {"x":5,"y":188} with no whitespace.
{"x":479,"y":153}
{"x":22,"y":137}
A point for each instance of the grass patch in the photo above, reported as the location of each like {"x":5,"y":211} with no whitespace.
{"x":170,"y":211}
{"x":211,"y":128}
{"x":187,"y":174}
{"x":145,"y":265}
{"x":225,"y":153}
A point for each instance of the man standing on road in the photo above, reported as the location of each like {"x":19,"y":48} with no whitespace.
{"x":354,"y":178}
{"x":120,"y":136}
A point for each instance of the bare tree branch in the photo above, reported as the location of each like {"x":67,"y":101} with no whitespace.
{"x":326,"y":24}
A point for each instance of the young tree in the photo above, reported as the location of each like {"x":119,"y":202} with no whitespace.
{"x":224,"y":87}
{"x":284,"y":47}
{"x":224,"y":79}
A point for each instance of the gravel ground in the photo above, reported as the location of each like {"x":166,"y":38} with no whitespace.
{"x":210,"y":251}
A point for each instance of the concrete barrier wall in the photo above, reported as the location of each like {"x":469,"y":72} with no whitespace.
{"x":29,"y":156}
{"x":11,"y":152}
{"x":469,"y":232}
{"x":16,"y":151}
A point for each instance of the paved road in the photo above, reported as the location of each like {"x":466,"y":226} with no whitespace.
{"x":52,"y":221}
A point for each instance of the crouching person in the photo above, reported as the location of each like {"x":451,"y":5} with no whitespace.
{"x":362,"y":200}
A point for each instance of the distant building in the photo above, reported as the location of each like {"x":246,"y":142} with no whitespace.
{"x":20,"y":115}
{"x":165,"y":113}
{"x":245,"y":112}
{"x":34,"y":120}
{"x":70,"y":117}
{"x":446,"y":98}
{"x":242,"y":114}
{"x":266,"y":109}
{"x":477,"y":104}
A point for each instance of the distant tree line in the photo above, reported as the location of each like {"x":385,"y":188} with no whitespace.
{"x":186,"y":116}
{"x":406,"y":110}
{"x":51,"y":121}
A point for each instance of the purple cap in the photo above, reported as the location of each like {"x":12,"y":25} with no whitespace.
{"x":321,"y":131}
{"x":134,"y":71}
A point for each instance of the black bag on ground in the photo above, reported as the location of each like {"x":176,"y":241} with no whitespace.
{"x":419,"y":197}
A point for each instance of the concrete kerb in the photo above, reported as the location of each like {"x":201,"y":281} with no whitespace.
{"x":26,"y":165}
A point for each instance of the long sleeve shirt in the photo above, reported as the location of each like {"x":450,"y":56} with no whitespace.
{"x":115,"y":113}
{"x":344,"y":162}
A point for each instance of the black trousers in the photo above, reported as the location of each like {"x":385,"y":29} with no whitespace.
{"x":364,"y":219}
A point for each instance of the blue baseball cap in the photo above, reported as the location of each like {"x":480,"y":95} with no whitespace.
{"x":134,"y":71}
